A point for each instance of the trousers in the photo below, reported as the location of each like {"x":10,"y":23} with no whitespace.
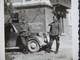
{"x":52,"y":38}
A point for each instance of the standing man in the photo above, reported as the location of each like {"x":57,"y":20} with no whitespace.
{"x":54,"y":34}
{"x":24,"y":32}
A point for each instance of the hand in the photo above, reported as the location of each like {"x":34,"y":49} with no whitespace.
{"x":59,"y":35}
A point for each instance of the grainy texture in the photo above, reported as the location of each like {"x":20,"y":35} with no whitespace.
{"x":65,"y":52}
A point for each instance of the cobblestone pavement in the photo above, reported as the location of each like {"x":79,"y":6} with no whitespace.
{"x":65,"y":52}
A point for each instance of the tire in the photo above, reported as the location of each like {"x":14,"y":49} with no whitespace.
{"x":33,"y":45}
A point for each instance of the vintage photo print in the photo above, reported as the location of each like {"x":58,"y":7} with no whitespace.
{"x":40,"y":30}
{"x":79,"y":30}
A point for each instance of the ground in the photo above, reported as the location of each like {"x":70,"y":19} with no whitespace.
{"x":65,"y":52}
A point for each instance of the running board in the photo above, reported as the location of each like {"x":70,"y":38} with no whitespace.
{"x":12,"y":48}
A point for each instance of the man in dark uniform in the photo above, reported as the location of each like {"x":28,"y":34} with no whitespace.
{"x":54,"y":34}
{"x":24,"y":32}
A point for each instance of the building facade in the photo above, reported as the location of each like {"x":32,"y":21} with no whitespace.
{"x":59,"y":8}
{"x":62,"y":9}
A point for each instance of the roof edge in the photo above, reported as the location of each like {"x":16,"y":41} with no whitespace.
{"x":31,"y":4}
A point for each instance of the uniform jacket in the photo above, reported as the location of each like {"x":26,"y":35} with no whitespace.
{"x":54,"y":28}
{"x":24,"y":30}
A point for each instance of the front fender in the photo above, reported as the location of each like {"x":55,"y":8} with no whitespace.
{"x":39,"y":40}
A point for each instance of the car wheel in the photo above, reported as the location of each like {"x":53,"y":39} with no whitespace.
{"x":33,"y":45}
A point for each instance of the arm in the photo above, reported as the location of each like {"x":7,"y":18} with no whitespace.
{"x":50,"y":24}
{"x":29,"y":31}
{"x":22,"y":29}
{"x":59,"y":29}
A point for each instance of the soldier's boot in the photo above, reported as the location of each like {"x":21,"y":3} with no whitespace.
{"x":57,"y":47}
{"x":48,"y":48}
{"x":25,"y":50}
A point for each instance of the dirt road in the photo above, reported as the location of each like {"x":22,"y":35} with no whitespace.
{"x":65,"y":52}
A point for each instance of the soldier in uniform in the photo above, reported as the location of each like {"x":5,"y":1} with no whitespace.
{"x":54,"y":34}
{"x":24,"y":32}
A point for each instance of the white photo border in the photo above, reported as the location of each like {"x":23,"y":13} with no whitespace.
{"x":75,"y":23}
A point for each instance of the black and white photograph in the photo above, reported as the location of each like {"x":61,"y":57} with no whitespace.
{"x":38,"y":30}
